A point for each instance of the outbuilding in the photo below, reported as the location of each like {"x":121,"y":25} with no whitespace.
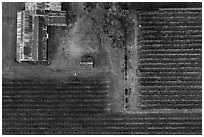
{"x":87,"y":62}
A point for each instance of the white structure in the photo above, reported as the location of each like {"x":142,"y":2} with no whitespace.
{"x":24,"y":34}
{"x":32,"y":29}
{"x":41,"y":7}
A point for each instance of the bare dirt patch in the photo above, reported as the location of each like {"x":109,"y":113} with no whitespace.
{"x":72,"y":44}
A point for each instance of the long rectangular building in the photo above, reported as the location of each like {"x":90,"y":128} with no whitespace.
{"x":39,"y":46}
{"x":24,"y":30}
{"x":32,"y":29}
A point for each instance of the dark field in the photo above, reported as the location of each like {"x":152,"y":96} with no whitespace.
{"x":170,"y":59}
{"x":80,"y":107}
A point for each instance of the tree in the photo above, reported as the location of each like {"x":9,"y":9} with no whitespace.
{"x":117,"y":22}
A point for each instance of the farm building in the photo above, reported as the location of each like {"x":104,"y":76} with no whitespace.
{"x":32,"y":29}
{"x":42,"y":7}
{"x":55,"y":18}
{"x":87,"y":62}
{"x":24,"y":36}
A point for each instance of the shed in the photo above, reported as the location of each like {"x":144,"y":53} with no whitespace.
{"x":87,"y":62}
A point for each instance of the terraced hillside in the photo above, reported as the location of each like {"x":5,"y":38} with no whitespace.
{"x":170,"y":58}
{"x":80,"y":107}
